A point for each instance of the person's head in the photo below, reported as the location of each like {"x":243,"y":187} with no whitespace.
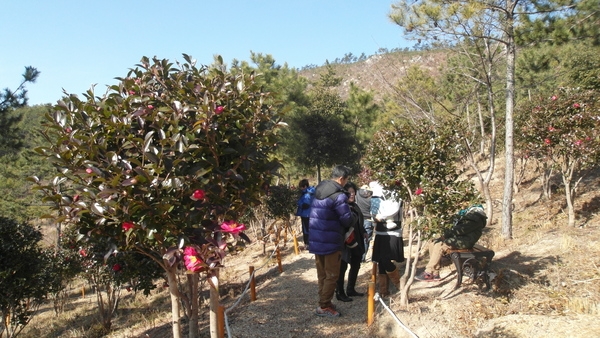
{"x":340,"y":174}
{"x":352,"y":191}
{"x":303,"y":184}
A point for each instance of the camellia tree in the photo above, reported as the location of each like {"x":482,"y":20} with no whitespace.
{"x":24,"y":270}
{"x":563,"y":132}
{"x":164,"y":163}
{"x":418,"y":162}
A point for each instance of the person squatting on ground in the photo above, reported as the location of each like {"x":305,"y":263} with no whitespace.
{"x":306,"y":196}
{"x":363,"y":200}
{"x":466,"y":231}
{"x":330,"y":219}
{"x":352,"y":251}
{"x":388,"y":245}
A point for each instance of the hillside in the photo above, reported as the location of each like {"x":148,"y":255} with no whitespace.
{"x":379,"y":72}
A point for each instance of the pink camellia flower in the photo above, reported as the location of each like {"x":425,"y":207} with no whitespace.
{"x":150,"y":106}
{"x":219,"y":110}
{"x":547,"y":141}
{"x":191,"y":260}
{"x":551,"y":128}
{"x":576,"y":105}
{"x":117,"y":267}
{"x":127,"y":225}
{"x":419,"y":191}
{"x":578,"y":142}
{"x":554,"y":97}
{"x":232,"y":227}
{"x":82,"y":253}
{"x":89,"y":170}
{"x":68,"y":129}
{"x":132,"y":92}
{"x":198,"y":195}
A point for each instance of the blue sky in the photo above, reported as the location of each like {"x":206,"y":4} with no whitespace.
{"x":77,"y":43}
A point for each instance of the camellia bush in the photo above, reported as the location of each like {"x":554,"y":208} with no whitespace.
{"x":24,"y":270}
{"x":164,"y":163}
{"x":562,"y":131}
{"x":418,"y":162}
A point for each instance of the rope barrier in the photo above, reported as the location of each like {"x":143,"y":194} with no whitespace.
{"x":378,"y":298}
{"x":245,"y":291}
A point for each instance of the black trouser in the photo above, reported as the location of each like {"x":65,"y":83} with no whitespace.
{"x":386,"y":265}
{"x":304,"y":221}
{"x":355,"y":260}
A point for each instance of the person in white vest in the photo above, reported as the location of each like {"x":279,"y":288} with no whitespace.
{"x":388,"y":246}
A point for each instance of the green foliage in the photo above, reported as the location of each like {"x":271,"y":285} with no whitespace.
{"x":418,"y":163}
{"x":23,"y":270}
{"x":10,"y":136}
{"x":562,"y":128}
{"x":168,"y":153}
{"x":281,"y":202}
{"x":18,"y":201}
{"x":361,"y":112}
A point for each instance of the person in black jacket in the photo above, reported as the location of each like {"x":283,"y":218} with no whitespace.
{"x":467,"y":230}
{"x":353,"y":250}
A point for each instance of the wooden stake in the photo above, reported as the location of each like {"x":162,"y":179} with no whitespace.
{"x":374,"y":273}
{"x":296,"y":249}
{"x":371,"y":304}
{"x":279,"y":261}
{"x":252,"y":284}
{"x":221,"y":322}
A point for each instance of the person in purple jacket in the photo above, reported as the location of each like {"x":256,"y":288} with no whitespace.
{"x":330,"y":219}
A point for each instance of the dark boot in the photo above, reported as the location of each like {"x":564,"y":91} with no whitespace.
{"x":350,"y":288}
{"x":340,"y":294}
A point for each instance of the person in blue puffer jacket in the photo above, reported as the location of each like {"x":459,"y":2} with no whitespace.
{"x":307,"y":194}
{"x":330,"y":218}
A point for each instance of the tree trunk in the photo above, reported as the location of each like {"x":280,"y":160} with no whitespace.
{"x":318,"y":173}
{"x":175,"y":301}
{"x":507,"y":205}
{"x":214,"y":303}
{"x":407,"y":279}
{"x":481,"y":128}
{"x":193,"y":331}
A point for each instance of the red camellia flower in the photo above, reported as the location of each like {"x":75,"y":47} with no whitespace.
{"x":576,"y":105}
{"x":191,"y":260}
{"x":219,"y":110}
{"x":82,"y":253}
{"x":547,"y":141}
{"x":419,"y":191}
{"x":127,"y":225}
{"x":198,"y":195}
{"x":232,"y":227}
{"x":117,"y":267}
{"x":554,"y":97}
